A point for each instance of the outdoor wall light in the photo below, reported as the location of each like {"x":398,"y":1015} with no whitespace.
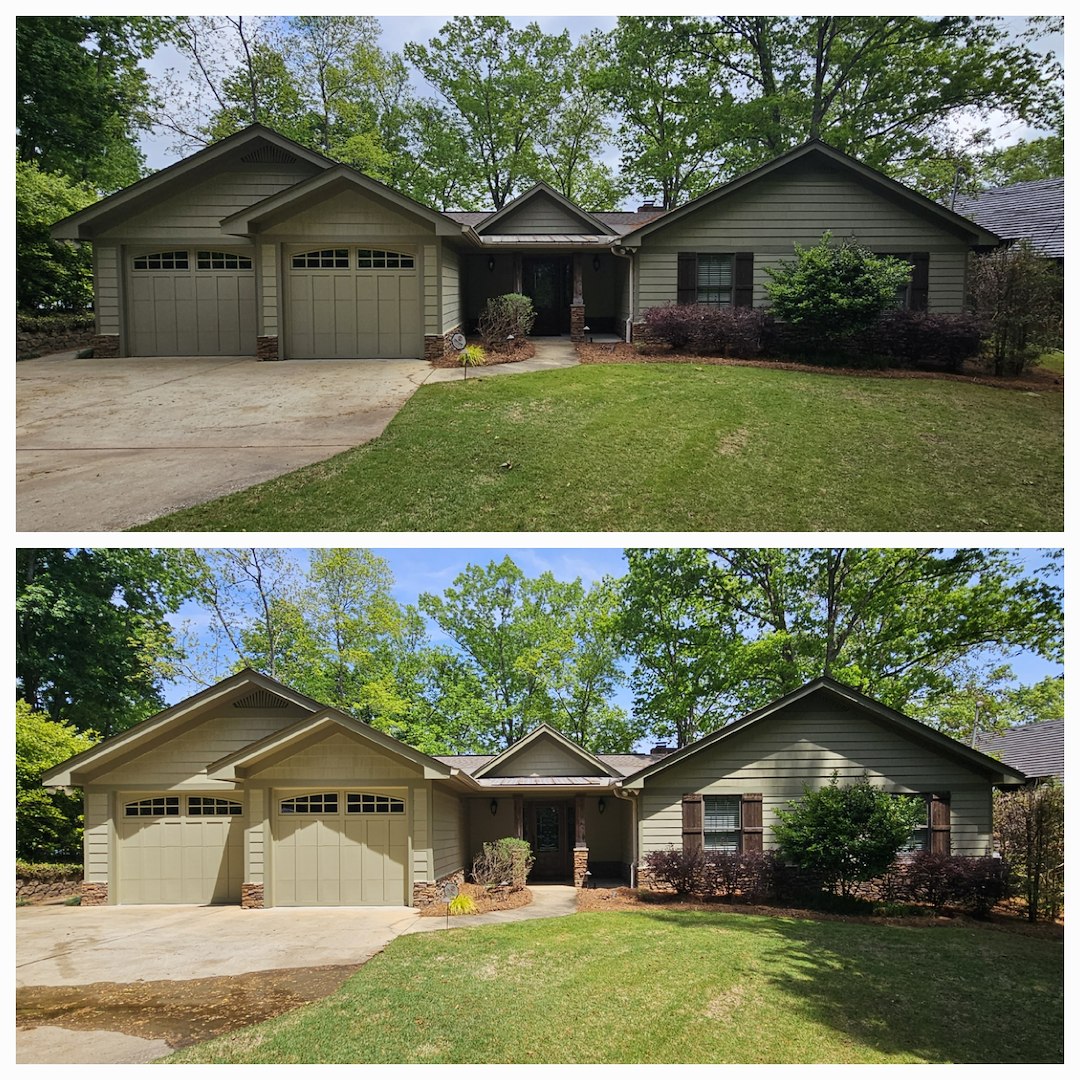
{"x":602,"y":805}
{"x":493,"y":806}
{"x":491,"y":264}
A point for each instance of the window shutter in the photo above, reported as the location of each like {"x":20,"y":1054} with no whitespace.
{"x":743,"y":296}
{"x":687,"y":283}
{"x":920,"y":281}
{"x":940,"y":825}
{"x":751,"y":823}
{"x":693,"y":823}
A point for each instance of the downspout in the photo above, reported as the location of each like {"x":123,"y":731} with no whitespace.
{"x":624,"y":253}
{"x":630,"y":797}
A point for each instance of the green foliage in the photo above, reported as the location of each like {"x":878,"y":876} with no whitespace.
{"x":462,"y":904}
{"x":53,"y":324}
{"x":47,"y":871}
{"x":844,"y":834}
{"x":506,"y":319}
{"x":505,"y":861}
{"x":48,"y":824}
{"x":1029,"y":824}
{"x":51,"y":274}
{"x":1018,"y":294}
{"x":831,"y":291}
{"x":93,"y":642}
{"x":472,"y":356}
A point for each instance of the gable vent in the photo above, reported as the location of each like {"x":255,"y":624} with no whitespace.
{"x":260,"y":699}
{"x":268,"y":154}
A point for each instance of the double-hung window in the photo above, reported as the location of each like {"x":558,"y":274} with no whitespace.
{"x":723,"y":822}
{"x":715,"y":280}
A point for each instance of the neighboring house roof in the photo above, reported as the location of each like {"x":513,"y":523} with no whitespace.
{"x":1033,"y":210}
{"x":1037,"y":750}
{"x":815,"y":148}
{"x":999,"y":772}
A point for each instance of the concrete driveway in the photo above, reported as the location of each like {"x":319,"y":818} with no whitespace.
{"x":104,"y":444}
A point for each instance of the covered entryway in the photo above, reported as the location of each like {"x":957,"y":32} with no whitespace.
{"x":191,"y":303}
{"x":545,"y":280}
{"x":336,"y":848}
{"x":549,"y":828}
{"x":352,"y":303}
{"x":176,"y":849}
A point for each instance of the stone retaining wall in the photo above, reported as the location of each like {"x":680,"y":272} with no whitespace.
{"x":44,"y":342}
{"x":32,"y":889}
{"x":426,"y":893}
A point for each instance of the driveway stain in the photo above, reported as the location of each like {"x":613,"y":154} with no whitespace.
{"x":179,"y":1012}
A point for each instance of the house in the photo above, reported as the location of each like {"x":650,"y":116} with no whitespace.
{"x":1033,"y":210}
{"x":251,"y":793}
{"x":257,"y":246}
{"x":1037,"y":750}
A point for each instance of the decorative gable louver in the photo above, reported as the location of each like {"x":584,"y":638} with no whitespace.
{"x":268,"y":155}
{"x":260,"y":699}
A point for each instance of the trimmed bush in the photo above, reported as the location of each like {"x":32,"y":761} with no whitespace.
{"x":749,"y":874}
{"x":709,"y":330}
{"x":915,"y":339}
{"x":508,"y":860}
{"x":506,"y":319}
{"x":47,"y":872}
{"x":971,"y":883}
{"x":683,"y":871}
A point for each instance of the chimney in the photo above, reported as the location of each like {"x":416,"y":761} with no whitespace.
{"x":650,"y":205}
{"x":662,"y":748}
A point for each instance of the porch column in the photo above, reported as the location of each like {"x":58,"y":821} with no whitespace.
{"x":581,"y":849}
{"x":519,"y":816}
{"x":519,"y":286}
{"x":577,"y":305}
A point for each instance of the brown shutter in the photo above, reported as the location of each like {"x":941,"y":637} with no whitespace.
{"x":693,"y":822}
{"x":920,"y":281}
{"x":687,"y":283}
{"x":940,"y":825}
{"x":751,"y":823}
{"x":743,"y":293}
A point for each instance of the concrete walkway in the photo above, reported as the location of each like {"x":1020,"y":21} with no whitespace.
{"x":549,"y":901}
{"x":551,"y":353}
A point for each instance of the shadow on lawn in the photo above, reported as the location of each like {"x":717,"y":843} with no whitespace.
{"x":944,"y":993}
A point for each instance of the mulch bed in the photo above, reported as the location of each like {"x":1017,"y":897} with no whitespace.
{"x":623,"y":353}
{"x":624,"y":898}
{"x":521,"y":350}
{"x":484,"y":899}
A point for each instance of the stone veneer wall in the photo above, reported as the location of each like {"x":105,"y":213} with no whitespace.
{"x":251,"y":895}
{"x":577,"y":322}
{"x":34,"y":889}
{"x":581,"y":866}
{"x":105,"y":345}
{"x":266,"y":348}
{"x":30,"y":343}
{"x":436,"y":346}
{"x":94,"y":893}
{"x":426,"y":893}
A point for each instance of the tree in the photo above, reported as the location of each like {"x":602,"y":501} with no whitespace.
{"x":52,"y":276}
{"x":93,"y":644}
{"x":844,"y":834}
{"x":1018,"y":294}
{"x":48,"y":824}
{"x":1030,"y":826}
{"x":830,"y":292}
{"x":82,"y":96}
{"x":501,"y":85}
{"x":900,"y":624}
{"x":1027,"y":159}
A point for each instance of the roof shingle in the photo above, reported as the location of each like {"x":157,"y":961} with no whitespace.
{"x":1033,"y":210}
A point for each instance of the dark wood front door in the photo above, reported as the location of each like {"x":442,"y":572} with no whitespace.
{"x":551,"y":834}
{"x":546,"y":282}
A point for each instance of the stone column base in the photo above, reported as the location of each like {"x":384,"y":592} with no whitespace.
{"x":266,"y":348}
{"x":426,"y":893}
{"x":581,"y":866}
{"x":105,"y":346}
{"x":436,"y":346}
{"x":577,"y":322}
{"x":94,"y":893}
{"x":251,"y":895}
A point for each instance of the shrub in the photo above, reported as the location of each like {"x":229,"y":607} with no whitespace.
{"x":506,"y":319}
{"x":1017,"y":293}
{"x":508,"y":860}
{"x":462,"y":904}
{"x":972,"y":883}
{"x":1030,"y":827}
{"x":47,"y":872}
{"x":683,"y":871}
{"x":671,"y":324}
{"x":832,"y":291}
{"x":912,"y":339}
{"x":471,"y":356}
{"x":750,"y":874}
{"x":707,"y":329}
{"x":54,"y":324}
{"x":844,"y":834}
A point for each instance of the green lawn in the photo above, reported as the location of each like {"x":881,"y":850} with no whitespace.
{"x":681,"y":448}
{"x":681,"y":987}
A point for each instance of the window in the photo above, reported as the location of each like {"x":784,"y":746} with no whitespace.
{"x":221,"y":260}
{"x":723,"y":822}
{"x":915,"y":294}
{"x":162,"y":260}
{"x":373,"y":804}
{"x":327,"y":259}
{"x":919,"y":840}
{"x":369,"y":259}
{"x":204,"y":806}
{"x":714,"y":279}
{"x":324,"y":803}
{"x":160,"y":806}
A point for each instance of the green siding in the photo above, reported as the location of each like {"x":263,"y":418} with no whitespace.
{"x":107,"y":288}
{"x":447,"y":833}
{"x":451,"y":289}
{"x":544,"y":757}
{"x":541,"y":214}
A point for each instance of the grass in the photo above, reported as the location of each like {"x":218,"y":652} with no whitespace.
{"x":680,"y":987}
{"x":680,"y":447}
{"x":1052,"y":361}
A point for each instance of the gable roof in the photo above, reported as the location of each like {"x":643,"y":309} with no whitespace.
{"x":76,"y":226}
{"x":591,"y":225}
{"x":999,"y":773}
{"x":591,"y":763}
{"x":148,"y":731}
{"x":807,"y":151}
{"x":1037,"y":750}
{"x":1033,"y":210}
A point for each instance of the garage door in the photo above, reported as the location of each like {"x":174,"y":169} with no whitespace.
{"x":177,"y":849}
{"x":354,"y":303}
{"x":340,"y":848}
{"x":191,"y":303}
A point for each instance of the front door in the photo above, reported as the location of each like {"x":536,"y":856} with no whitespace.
{"x":546,"y":281}
{"x":551,"y":827}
